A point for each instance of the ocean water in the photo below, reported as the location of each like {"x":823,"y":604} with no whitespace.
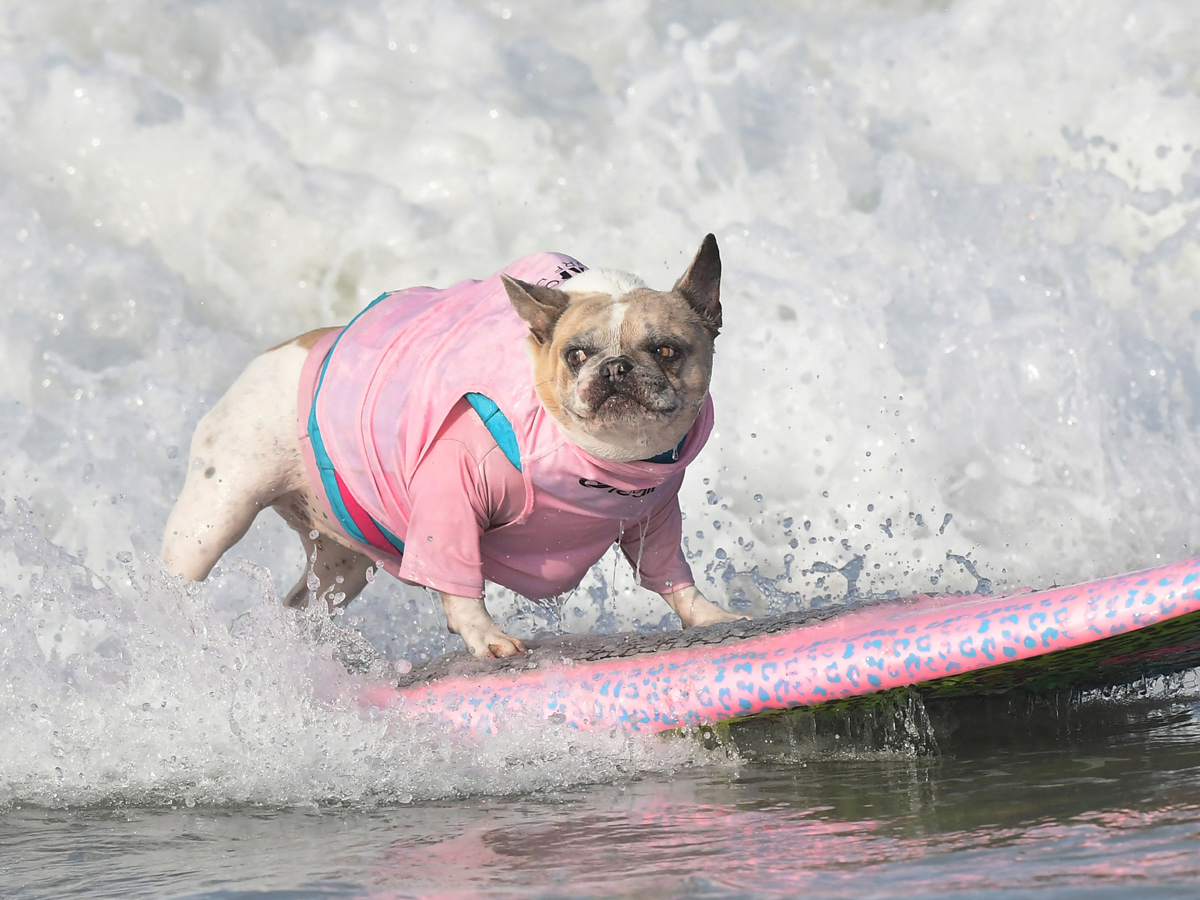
{"x":962,"y":296}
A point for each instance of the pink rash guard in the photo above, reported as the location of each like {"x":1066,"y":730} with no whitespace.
{"x":420,"y":483}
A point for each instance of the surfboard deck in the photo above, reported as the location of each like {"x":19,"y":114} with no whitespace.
{"x":1109,"y":631}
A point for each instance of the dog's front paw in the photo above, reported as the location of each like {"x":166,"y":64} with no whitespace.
{"x":468,"y":618}
{"x":693,"y":608}
{"x":494,"y":643}
{"x":711,"y":617}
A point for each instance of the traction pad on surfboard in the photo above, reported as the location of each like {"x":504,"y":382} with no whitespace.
{"x":552,"y":651}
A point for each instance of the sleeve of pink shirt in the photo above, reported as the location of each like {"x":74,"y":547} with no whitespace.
{"x":654,"y":548}
{"x":462,"y":487}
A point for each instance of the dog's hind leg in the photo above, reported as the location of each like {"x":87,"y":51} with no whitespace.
{"x":206,"y":521}
{"x":332,"y":572}
{"x":244,"y":455}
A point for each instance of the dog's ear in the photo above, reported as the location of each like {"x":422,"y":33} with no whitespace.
{"x":538,"y":305}
{"x":701,"y":283}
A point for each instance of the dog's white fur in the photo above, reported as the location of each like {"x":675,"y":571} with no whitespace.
{"x":244,"y":457}
{"x":613,"y":282}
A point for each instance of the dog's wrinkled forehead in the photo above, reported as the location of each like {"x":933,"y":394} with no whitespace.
{"x":613,"y":282}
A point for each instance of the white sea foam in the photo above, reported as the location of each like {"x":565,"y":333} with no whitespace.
{"x":961,"y":275}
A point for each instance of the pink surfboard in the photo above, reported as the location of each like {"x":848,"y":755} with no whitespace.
{"x":1107,"y":631}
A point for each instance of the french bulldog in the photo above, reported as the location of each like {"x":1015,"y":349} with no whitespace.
{"x":511,"y":429}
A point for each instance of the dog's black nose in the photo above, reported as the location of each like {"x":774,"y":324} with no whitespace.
{"x":618,"y":367}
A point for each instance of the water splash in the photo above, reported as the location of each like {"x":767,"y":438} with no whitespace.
{"x":894,"y":725}
{"x":129,"y":689}
{"x":982,"y":585}
{"x":937,"y":305}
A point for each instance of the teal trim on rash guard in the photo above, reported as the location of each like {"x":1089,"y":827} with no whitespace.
{"x":329,"y":478}
{"x":669,"y":456}
{"x":498,"y":426}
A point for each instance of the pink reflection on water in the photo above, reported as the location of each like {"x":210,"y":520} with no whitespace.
{"x":677,"y":846}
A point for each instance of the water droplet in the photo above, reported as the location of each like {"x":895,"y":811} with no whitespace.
{"x":712,"y":498}
{"x":405,"y":798}
{"x":125,"y":557}
{"x":758,"y":498}
{"x":314,"y":534}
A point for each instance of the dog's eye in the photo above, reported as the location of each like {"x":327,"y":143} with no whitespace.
{"x":665,"y":352}
{"x":576,"y":357}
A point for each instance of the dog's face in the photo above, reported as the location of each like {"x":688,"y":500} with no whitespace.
{"x":624,"y":369}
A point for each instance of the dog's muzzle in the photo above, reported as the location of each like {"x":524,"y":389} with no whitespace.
{"x":618,"y":382}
